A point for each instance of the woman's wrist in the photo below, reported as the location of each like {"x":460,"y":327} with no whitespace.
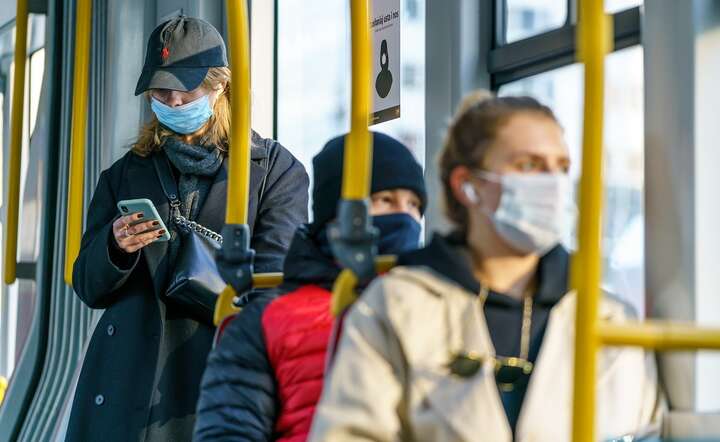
{"x":119,"y":257}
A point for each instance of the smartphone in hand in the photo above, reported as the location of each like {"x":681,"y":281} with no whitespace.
{"x":147,"y":208}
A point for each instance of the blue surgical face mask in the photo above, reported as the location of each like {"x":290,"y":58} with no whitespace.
{"x":184,"y":119}
{"x":399,"y":232}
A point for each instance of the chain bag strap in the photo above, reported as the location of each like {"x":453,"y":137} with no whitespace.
{"x":195,"y":283}
{"x":199,"y":229}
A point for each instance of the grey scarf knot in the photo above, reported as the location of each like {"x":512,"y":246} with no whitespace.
{"x":197,"y":166}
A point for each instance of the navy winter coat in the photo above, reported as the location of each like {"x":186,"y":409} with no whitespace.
{"x":141,"y":374}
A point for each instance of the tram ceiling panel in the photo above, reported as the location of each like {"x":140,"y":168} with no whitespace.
{"x":553,"y":49}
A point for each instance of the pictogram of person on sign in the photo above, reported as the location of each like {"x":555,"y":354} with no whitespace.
{"x":384,"y":80}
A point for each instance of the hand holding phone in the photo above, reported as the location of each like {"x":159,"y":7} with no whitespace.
{"x":139,"y":226}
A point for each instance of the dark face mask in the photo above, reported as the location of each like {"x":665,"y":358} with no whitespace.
{"x":399,"y":232}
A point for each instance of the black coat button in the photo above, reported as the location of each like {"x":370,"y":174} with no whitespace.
{"x":99,"y":399}
{"x":110,"y":330}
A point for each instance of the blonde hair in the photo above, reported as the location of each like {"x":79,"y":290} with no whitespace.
{"x":472,"y":131}
{"x":216,"y":130}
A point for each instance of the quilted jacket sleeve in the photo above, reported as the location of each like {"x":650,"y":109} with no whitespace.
{"x":237,"y":397}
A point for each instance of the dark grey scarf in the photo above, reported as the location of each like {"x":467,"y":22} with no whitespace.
{"x":198,"y":166}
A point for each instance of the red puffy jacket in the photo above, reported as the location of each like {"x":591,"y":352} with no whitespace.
{"x":297,"y":330}
{"x":265,"y":376}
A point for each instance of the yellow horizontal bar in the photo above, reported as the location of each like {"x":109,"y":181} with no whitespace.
{"x":238,"y":189}
{"x":16,"y":126}
{"x":358,"y":144}
{"x":267,"y":280}
{"x":224,"y":306}
{"x":78,"y":134}
{"x":660,"y":335}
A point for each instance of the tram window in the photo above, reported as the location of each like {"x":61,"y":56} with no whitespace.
{"x":623,"y":230}
{"x":526,"y":18}
{"x":17,"y":301}
{"x":313,"y":65}
{"x":36,"y":68}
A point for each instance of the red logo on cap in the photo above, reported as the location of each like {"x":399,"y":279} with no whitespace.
{"x":165,"y":53}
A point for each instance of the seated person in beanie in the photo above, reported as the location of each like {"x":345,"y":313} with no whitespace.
{"x":265,"y":376}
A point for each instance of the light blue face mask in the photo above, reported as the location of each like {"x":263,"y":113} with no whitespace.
{"x":184,"y":119}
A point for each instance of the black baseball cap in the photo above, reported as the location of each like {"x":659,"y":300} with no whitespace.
{"x":179,"y":54}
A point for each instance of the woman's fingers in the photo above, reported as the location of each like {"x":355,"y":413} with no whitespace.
{"x":132,"y":238}
{"x":125,"y":221}
{"x":121,"y":226}
{"x":137,"y":242}
{"x":142,"y":227}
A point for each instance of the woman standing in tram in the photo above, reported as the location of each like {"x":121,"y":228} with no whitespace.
{"x":472,"y":337}
{"x":141,"y":374}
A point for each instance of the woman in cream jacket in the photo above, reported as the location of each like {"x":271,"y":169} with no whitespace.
{"x":472,"y":337}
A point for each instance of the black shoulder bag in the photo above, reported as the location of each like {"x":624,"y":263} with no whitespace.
{"x":195,"y":283}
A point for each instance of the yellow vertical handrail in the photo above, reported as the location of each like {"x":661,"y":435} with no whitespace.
{"x":357,"y":157}
{"x":239,"y":155}
{"x":595,"y":39}
{"x":16,"y":140}
{"x":592,"y":45}
{"x":238,"y":188}
{"x":358,"y":143}
{"x":76,"y":177}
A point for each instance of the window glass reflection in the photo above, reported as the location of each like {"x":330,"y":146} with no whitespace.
{"x":526,"y":18}
{"x":612,"y":6}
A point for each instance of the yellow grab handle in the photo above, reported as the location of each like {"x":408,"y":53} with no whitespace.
{"x":238,"y":188}
{"x":76,"y":177}
{"x":343,"y":292}
{"x":593,"y":29}
{"x":357,"y":161}
{"x":224,"y":306}
{"x":18,"y":99}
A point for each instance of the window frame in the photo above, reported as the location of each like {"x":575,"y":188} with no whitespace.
{"x":509,"y":62}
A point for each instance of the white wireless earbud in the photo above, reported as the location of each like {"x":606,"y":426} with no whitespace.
{"x":470,"y":193}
